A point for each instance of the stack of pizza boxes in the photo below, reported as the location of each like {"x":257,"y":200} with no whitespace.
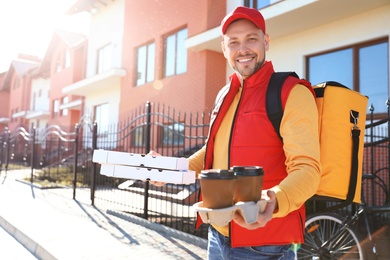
{"x":144,"y":167}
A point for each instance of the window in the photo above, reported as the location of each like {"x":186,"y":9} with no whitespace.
{"x":67,"y":59}
{"x":56,"y":105}
{"x":172,"y":134}
{"x":176,"y":53}
{"x":34,"y":100}
{"x":145,"y":64}
{"x":259,"y":4}
{"x":373,"y":75}
{"x":138,"y":136}
{"x":362,"y":67}
{"x":58,"y":63}
{"x":102,"y":115}
{"x":65,"y":100}
{"x":104,"y":59}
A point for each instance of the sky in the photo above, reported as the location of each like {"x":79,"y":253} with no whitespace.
{"x":27,"y":26}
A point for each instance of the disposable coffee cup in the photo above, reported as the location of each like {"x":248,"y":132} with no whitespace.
{"x":217,"y":188}
{"x":249,"y":183}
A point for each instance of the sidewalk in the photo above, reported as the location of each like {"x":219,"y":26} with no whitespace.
{"x":52,"y":226}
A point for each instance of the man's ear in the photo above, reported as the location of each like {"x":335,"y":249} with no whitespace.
{"x":223,"y":48}
{"x":266,"y":41}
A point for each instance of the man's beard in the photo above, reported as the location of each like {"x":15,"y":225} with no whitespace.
{"x":247,"y":71}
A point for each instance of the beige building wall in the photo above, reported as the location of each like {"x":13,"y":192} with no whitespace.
{"x":288,"y":53}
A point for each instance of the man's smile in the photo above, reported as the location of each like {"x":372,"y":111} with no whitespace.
{"x":243,"y":60}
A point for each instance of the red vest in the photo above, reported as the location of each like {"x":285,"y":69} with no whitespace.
{"x":255,"y":142}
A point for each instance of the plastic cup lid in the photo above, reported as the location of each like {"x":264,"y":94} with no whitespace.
{"x":248,"y":170}
{"x":217,"y":174}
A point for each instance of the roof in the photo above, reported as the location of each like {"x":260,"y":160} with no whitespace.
{"x":20,"y":67}
{"x":70,"y":39}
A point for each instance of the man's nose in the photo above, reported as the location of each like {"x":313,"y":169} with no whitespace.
{"x":243,"y":48}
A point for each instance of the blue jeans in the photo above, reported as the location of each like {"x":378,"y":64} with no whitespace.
{"x":219,"y":249}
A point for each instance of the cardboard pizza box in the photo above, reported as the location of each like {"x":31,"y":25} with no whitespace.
{"x":140,"y":160}
{"x":142,"y":173}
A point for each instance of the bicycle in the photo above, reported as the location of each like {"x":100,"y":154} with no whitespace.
{"x":329,"y":235}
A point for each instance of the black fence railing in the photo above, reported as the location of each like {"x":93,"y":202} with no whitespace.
{"x":66,"y":158}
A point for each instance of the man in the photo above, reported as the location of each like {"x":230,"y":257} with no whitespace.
{"x":241,"y":134}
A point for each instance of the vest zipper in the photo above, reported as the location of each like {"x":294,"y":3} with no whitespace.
{"x":234,"y":121}
{"x":230,"y":142}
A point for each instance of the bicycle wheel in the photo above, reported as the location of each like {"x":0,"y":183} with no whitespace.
{"x":326,"y":237}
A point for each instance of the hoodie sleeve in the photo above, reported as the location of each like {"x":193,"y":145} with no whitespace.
{"x":299,"y":129}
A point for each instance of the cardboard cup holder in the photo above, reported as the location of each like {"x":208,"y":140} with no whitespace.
{"x":221,"y":217}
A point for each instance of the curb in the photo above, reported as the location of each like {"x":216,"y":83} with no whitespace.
{"x":36,"y":249}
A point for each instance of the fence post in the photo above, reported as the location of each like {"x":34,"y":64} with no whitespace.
{"x":6,"y":161}
{"x":32,"y":159}
{"x":76,"y":151}
{"x":372,"y":151}
{"x":388,"y":136}
{"x":59,"y":154}
{"x":2,"y":152}
{"x":371,"y":108}
{"x":147,"y":150}
{"x":94,"y":172}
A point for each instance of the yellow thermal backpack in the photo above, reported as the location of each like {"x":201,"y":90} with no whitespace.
{"x":341,"y":135}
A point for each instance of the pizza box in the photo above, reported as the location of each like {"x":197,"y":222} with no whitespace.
{"x":139,"y":160}
{"x":142,"y":173}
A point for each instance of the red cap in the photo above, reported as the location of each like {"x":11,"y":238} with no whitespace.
{"x":242,"y":12}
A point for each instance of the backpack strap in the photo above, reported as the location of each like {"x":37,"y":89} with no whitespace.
{"x":273,"y":101}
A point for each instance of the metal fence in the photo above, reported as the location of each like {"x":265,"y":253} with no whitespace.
{"x":66,"y":158}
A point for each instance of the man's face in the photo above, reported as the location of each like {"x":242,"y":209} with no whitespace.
{"x":244,"y":46}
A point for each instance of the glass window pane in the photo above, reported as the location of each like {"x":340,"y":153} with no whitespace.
{"x":181,"y":65}
{"x":262,"y":3}
{"x":173,"y":134}
{"x":107,"y":58}
{"x":65,"y":100}
{"x":138,"y":136}
{"x":102,"y":116}
{"x":104,"y":58}
{"x":170,"y":55}
{"x":334,"y":66}
{"x":56,"y":106}
{"x":100,"y":61}
{"x":373,"y":75}
{"x":141,"y":65}
{"x":259,"y":4}
{"x":67,"y":59}
{"x":150,"y":63}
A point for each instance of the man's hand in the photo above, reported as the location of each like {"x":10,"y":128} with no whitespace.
{"x":156,"y":183}
{"x":262,"y":218}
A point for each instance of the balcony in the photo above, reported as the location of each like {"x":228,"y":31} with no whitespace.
{"x":20,"y":114}
{"x":109,"y":78}
{"x":73,"y":105}
{"x":4,"y":120}
{"x":37,"y":114}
